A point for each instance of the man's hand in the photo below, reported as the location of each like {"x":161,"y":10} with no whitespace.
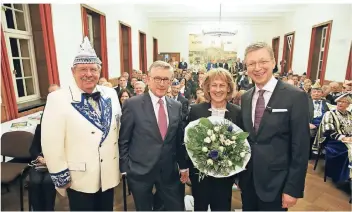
{"x":312,"y":126}
{"x":68,"y":185}
{"x":288,"y":201}
{"x":184,"y":176}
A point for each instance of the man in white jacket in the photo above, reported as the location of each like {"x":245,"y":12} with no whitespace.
{"x":79,"y":136}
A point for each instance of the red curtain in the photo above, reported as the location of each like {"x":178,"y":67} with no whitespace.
{"x":84,"y":21}
{"x":49,"y":43}
{"x":6,"y":79}
{"x":104,"y":50}
{"x":349,"y":65}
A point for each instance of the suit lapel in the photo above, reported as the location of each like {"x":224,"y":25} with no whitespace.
{"x":80,"y":103}
{"x":172,"y":118}
{"x":148,"y":107}
{"x":247,"y":114}
{"x":274,"y":99}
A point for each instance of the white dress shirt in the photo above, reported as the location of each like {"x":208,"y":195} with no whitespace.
{"x":269,"y":89}
{"x":156,"y":106}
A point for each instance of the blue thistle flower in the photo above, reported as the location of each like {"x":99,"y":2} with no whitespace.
{"x":230,"y":128}
{"x":213,"y":154}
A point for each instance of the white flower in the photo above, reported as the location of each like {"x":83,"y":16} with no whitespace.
{"x":213,"y":137}
{"x":207,"y":140}
{"x":205,"y":149}
{"x":210,"y":162}
{"x":229,"y":163}
{"x":242,"y":154}
{"x":216,"y":129}
{"x":209,"y":132}
{"x":234,"y":138}
{"x":221,"y":148}
{"x":222,"y":137}
{"x":227,"y":142}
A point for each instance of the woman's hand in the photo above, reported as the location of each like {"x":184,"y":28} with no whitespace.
{"x":41,"y":160}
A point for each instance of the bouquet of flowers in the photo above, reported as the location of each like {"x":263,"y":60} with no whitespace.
{"x":217,"y":147}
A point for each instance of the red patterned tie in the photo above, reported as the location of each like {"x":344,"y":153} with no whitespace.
{"x":162,"y":122}
{"x":259,"y":110}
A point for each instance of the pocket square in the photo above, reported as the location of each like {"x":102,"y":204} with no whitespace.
{"x":279,"y":110}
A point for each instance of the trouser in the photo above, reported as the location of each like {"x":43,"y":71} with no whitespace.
{"x":42,"y":191}
{"x":99,"y":201}
{"x":251,"y":201}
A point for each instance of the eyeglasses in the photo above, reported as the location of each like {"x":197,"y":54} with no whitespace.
{"x":345,"y":102}
{"x":92,"y":71}
{"x":159,"y":80}
{"x":260,"y":63}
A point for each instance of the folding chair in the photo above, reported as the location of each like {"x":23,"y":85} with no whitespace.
{"x":15,"y":144}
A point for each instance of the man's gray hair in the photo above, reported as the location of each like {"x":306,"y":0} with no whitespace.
{"x":161,"y":64}
{"x":140,"y":83}
{"x":259,"y":45}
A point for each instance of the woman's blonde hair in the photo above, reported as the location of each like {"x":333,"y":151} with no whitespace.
{"x":221,"y":73}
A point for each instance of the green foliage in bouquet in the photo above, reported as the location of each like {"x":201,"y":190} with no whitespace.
{"x":216,"y":148}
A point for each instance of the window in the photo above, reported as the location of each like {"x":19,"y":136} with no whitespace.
{"x":318,"y":51}
{"x":321,"y":52}
{"x":20,"y":50}
{"x":142,"y":52}
{"x":90,"y":29}
{"x":125,"y":48}
{"x":94,"y":27}
{"x":287,"y":55}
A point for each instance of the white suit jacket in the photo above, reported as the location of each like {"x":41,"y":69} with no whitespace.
{"x":79,"y":145}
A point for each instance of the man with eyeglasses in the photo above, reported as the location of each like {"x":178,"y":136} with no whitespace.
{"x":80,"y":128}
{"x":276,"y":115}
{"x":151,"y":143}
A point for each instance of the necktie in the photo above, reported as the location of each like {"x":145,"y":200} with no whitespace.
{"x":95,"y":96}
{"x":162,"y":122}
{"x":259,"y":110}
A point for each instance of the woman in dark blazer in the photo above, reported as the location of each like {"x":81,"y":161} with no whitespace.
{"x":217,"y":192}
{"x":41,"y":187}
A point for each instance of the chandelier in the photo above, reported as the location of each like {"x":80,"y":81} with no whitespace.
{"x":218,"y":32}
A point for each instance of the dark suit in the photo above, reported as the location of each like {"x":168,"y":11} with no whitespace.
{"x":226,"y":66}
{"x":210,"y":66}
{"x":185,"y":105}
{"x":147,"y":159}
{"x":218,"y":65}
{"x":279,"y":149}
{"x":214,"y":191}
{"x":182,"y":65}
{"x":239,"y":66}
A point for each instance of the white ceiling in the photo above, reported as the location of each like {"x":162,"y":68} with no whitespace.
{"x":210,"y":12}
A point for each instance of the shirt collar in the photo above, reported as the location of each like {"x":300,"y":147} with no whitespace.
{"x":269,"y":86}
{"x":95,"y":90}
{"x":155,"y":99}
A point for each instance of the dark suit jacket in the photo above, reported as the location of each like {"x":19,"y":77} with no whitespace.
{"x":36,"y":147}
{"x":226,"y":66}
{"x":219,"y":65}
{"x":311,"y":107}
{"x":280,"y":148}
{"x":185,"y":105}
{"x":202,"y":110}
{"x":210,"y":65}
{"x":182,"y":66}
{"x":143,"y":153}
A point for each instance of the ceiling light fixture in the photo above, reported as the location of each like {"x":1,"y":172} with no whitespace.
{"x":220,"y":32}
